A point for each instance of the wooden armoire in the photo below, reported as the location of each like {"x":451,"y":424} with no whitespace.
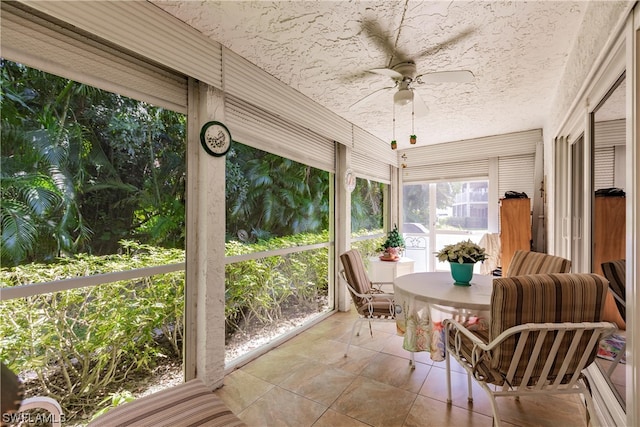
{"x":515,"y":229}
{"x":609,"y":227}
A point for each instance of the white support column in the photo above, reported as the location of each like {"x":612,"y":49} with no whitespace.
{"x":633,"y":218}
{"x":205,"y":273}
{"x":493,"y":212}
{"x":394,"y":198}
{"x":342,"y":223}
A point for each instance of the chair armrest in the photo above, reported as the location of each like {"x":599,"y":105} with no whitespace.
{"x":477,"y":347}
{"x":618,"y":299}
{"x":47,"y":403}
{"x":376,"y":286}
{"x":460,"y":328}
{"x":369,"y":297}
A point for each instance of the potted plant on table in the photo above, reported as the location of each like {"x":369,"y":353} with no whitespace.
{"x":462,"y":256}
{"x":393,"y":245}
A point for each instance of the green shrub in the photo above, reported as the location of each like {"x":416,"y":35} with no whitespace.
{"x":257,"y":290}
{"x":81,"y":342}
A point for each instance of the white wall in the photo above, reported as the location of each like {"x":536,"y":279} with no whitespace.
{"x":597,"y":30}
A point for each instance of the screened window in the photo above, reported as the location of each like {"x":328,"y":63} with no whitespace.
{"x":86,"y":171}
{"x":367,"y":216}
{"x":92,"y":183}
{"x":277,"y":220}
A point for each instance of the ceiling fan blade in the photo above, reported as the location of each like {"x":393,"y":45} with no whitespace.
{"x":372,"y":96}
{"x":376,"y":33}
{"x":445,"y":44}
{"x":461,"y":76}
{"x":387,"y":72}
{"x":420,"y":107}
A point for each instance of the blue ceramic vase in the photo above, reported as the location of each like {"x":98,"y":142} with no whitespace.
{"x":462,"y":273}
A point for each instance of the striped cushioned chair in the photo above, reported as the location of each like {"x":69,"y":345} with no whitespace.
{"x":544,"y":331}
{"x":615,"y":272}
{"x":189,"y":404}
{"x":528,"y":262}
{"x":369,"y":301}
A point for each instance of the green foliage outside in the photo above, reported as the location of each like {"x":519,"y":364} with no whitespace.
{"x":416,"y":200}
{"x":367,"y":205}
{"x":86,"y":173}
{"x":83,"y":168}
{"x":258,"y":290}
{"x":271,"y":196}
{"x":81,"y":343}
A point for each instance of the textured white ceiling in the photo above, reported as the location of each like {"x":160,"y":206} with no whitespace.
{"x":516,"y":50}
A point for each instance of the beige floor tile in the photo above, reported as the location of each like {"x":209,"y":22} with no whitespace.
{"x":374,"y":403}
{"x":242,"y":389}
{"x":396,"y":371}
{"x":308,"y":381}
{"x":276,"y":365}
{"x":394,"y":346}
{"x":435,"y":387}
{"x":376,"y":342}
{"x":319,"y":383}
{"x":333,"y":329}
{"x":333,"y":419}
{"x":280,"y":408}
{"x":543,"y":411}
{"x":385,"y":326}
{"x":551,"y":411}
{"x":427,"y":412}
{"x":357,"y":359}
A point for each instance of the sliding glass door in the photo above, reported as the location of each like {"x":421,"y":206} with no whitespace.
{"x":440,"y":213}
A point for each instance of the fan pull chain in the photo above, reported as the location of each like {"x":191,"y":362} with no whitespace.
{"x":394,"y":144}
{"x":413,"y":114}
{"x":393,"y":134}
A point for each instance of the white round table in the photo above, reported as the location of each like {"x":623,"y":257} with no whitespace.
{"x":424,"y":300}
{"x":438,"y":288}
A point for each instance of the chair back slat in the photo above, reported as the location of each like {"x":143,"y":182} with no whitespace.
{"x":528,"y":262}
{"x":539,"y":299}
{"x":356,"y":275}
{"x":615,"y":272}
{"x":534,"y":356}
{"x":551,"y":357}
{"x":566,"y":359}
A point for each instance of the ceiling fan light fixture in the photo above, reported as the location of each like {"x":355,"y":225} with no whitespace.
{"x":403,"y":97}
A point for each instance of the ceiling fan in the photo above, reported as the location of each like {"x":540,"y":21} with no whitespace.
{"x":404,"y":73}
{"x":405,"y":77}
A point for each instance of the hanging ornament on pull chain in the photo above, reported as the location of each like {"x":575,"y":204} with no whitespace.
{"x":394,"y":144}
{"x":412,"y":137}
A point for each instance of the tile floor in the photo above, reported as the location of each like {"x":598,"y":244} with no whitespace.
{"x":307,"y":381}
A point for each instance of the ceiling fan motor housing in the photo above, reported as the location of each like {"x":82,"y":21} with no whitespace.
{"x":406,"y":69}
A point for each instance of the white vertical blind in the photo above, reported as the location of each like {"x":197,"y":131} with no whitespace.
{"x":446,"y":171}
{"x":145,"y":30}
{"x":516,"y":173}
{"x":603,"y":167}
{"x":612,"y":132}
{"x":260,"y":129}
{"x":246,"y":81}
{"x":370,"y":168}
{"x":512,"y":144}
{"x":57,"y":48}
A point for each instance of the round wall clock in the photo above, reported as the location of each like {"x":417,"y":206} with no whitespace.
{"x":349,"y":180}
{"x":215,"y":138}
